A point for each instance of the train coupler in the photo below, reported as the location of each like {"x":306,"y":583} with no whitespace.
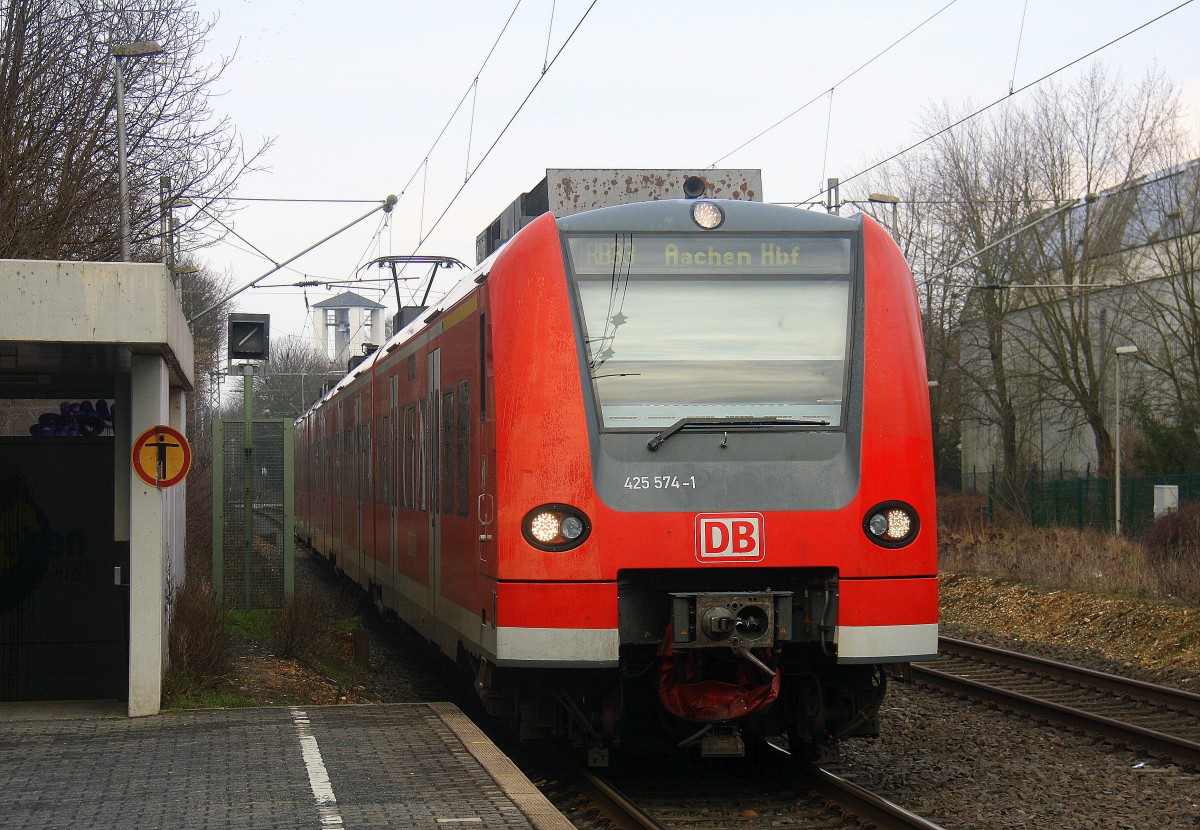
{"x":723,"y":742}
{"x":751,"y":620}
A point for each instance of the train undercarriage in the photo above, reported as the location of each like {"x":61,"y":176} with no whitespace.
{"x":726,"y":669}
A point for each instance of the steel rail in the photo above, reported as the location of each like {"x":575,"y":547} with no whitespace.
{"x":872,"y":809}
{"x":622,"y":813}
{"x":1180,"y":699}
{"x":1178,"y":748}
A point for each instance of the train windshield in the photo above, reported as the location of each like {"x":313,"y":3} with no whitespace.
{"x":694,"y":326}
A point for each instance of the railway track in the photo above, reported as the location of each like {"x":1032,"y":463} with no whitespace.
{"x":715,"y":795}
{"x":1128,"y":712}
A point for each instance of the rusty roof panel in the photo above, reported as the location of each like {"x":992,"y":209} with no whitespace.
{"x":573,"y":191}
{"x":567,"y":191}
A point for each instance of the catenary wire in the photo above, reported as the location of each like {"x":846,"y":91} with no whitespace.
{"x":987,"y":107}
{"x":830,"y":89}
{"x":425,"y":235}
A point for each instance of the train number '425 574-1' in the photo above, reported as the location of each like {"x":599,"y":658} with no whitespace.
{"x":659,"y":482}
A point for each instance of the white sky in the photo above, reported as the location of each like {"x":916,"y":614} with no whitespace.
{"x":356,"y":92}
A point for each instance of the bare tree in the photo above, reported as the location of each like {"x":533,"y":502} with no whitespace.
{"x":291,"y":381}
{"x":1095,"y":137}
{"x":977,"y":193}
{"x":1020,"y":188}
{"x":58,"y":163}
{"x":199,"y":289}
{"x":928,"y":245}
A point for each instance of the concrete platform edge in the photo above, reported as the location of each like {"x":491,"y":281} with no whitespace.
{"x":519,"y":789}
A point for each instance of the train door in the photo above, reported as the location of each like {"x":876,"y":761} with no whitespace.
{"x":433,"y":476}
{"x":486,"y":503}
{"x":327,"y":454}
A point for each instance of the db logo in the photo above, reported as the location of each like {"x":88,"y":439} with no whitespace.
{"x":729,"y":537}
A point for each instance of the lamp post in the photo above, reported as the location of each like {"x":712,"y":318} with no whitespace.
{"x":126,"y":50}
{"x":887,"y":199}
{"x":1120,"y":350}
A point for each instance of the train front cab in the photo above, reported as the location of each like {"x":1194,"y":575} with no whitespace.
{"x":736,"y":420}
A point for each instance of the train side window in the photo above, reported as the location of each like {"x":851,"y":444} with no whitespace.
{"x":448,"y":454}
{"x":463,"y":495}
{"x":410,"y":456}
{"x":392,"y":460}
{"x":364,"y":449}
{"x":483,"y":367}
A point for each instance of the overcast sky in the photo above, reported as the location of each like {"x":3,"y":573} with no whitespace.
{"x":355,"y":94}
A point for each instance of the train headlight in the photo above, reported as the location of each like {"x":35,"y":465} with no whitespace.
{"x":555,"y":527}
{"x":892,"y":524}
{"x":707,"y":215}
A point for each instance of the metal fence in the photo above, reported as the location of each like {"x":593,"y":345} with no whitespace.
{"x":253,"y":513}
{"x":1091,"y":502}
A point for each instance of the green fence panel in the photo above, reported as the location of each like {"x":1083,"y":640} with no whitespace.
{"x":1091,"y":502}
{"x":253,"y":513}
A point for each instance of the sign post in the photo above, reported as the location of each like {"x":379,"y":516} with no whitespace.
{"x":247,"y":480}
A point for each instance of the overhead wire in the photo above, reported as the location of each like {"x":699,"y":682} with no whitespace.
{"x":828,"y":129}
{"x":287,"y":199}
{"x":1000,"y":100}
{"x":461,"y":100}
{"x":1020,"y":36}
{"x":386,"y":204}
{"x":508,"y":124}
{"x":830,"y":90}
{"x":424,"y":164}
{"x":549,"y":32}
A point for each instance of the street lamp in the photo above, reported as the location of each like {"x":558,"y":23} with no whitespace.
{"x":887,"y":199}
{"x":1120,"y":350}
{"x":126,"y":50}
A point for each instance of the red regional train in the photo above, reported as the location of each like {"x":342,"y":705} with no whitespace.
{"x":671,"y":457}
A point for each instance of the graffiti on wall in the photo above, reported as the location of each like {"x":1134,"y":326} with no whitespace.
{"x":76,"y":419}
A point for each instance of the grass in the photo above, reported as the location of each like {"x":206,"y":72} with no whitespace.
{"x":254,"y":625}
{"x":222,"y":697}
{"x":1084,"y":560}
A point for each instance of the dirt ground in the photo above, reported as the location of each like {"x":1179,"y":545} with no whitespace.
{"x":1157,"y":637}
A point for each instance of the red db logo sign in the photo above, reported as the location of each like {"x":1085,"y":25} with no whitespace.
{"x":726,"y":537}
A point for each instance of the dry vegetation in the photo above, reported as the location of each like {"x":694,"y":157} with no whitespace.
{"x":1133,"y":602}
{"x":1164,"y":565}
{"x":300,"y":653}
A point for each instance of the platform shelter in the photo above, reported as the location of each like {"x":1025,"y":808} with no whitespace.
{"x":92,"y":354}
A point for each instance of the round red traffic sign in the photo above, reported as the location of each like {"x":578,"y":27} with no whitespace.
{"x":162,"y":456}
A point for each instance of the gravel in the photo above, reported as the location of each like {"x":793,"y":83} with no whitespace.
{"x":963,"y":765}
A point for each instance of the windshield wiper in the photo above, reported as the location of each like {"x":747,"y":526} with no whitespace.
{"x":732,"y":424}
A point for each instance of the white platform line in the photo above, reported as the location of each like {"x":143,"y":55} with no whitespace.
{"x":318,"y":776}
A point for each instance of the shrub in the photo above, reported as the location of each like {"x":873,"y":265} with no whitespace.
{"x":959,"y":512}
{"x":1172,"y":549}
{"x":200,"y":648}
{"x":311,"y":624}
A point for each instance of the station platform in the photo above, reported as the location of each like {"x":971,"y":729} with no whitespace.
{"x":419,"y":765}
